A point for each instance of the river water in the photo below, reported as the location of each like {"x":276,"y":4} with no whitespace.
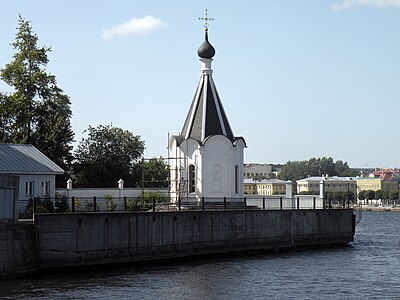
{"x":368,"y":269}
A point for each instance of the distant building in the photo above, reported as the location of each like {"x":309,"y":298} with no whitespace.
{"x":332,"y":184}
{"x":271,"y":187}
{"x":385,"y":174}
{"x":375,"y":184}
{"x":250,"y":187}
{"x":257,"y":170}
{"x":264,"y":187}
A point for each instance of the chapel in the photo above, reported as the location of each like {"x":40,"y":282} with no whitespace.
{"x":206,"y":158}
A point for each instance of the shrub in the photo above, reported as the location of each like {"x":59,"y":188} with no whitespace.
{"x":111,"y":206}
{"x":61,"y":203}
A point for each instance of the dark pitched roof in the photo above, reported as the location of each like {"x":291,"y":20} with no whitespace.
{"x":206,"y":116}
{"x":25,"y":159}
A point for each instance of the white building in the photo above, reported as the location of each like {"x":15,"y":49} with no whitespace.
{"x":206,"y":159}
{"x":331,"y":184}
{"x":35,"y":172}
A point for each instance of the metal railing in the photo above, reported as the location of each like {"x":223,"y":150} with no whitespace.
{"x":144,"y":204}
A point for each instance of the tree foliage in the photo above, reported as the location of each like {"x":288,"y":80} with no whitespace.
{"x":379,"y":194}
{"x":295,"y":170}
{"x":37,"y":112}
{"x":153,"y":173}
{"x":369,"y":194}
{"x":393,"y":195}
{"x":107,"y":155}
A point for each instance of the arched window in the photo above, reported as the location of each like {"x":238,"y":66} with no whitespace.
{"x":236,"y":179}
{"x":217,"y":178}
{"x":192,"y":179}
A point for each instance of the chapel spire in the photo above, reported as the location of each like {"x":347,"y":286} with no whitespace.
{"x":206,"y":116}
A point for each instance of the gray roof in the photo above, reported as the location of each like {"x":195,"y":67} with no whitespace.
{"x":330,"y":178}
{"x":272,"y":180}
{"x":25,"y":159}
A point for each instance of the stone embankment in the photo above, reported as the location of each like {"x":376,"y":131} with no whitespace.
{"x":89,"y":239}
{"x":17,"y":249}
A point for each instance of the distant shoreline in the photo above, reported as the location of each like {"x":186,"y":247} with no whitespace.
{"x":378,"y":208}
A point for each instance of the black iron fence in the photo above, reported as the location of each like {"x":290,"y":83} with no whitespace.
{"x":113,"y":204}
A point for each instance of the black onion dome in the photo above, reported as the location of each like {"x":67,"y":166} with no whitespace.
{"x":206,"y":50}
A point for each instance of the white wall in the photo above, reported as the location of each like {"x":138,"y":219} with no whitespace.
{"x":37,"y":189}
{"x":218,"y":151}
{"x":217,"y":155}
{"x":98,"y":192}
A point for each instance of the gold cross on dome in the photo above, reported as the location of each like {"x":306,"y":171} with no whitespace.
{"x":206,"y":19}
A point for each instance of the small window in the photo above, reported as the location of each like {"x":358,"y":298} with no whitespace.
{"x":45,"y":188}
{"x":236,"y":179}
{"x":192,"y":179}
{"x":29,"y":188}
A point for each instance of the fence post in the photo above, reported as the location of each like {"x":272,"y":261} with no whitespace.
{"x":314,"y":202}
{"x":73,"y":204}
{"x":202,"y":203}
{"x":125,"y":204}
{"x":263,"y":203}
{"x":298,"y":202}
{"x":329,"y":203}
{"x":94,"y":204}
{"x":280,"y":203}
{"x":34,"y":204}
{"x":179,"y":203}
{"x":224,"y":203}
{"x":154,"y":203}
{"x":245,"y":203}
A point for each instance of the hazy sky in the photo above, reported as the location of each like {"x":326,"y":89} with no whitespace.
{"x":298,"y":79}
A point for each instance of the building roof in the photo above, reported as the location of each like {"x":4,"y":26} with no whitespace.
{"x":249,"y":181}
{"x":272,"y":181}
{"x":385,"y":174}
{"x":25,"y":159}
{"x":206,"y":116}
{"x":325,"y":178}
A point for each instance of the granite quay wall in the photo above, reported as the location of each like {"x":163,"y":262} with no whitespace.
{"x":100,"y":238}
{"x":17,"y":250}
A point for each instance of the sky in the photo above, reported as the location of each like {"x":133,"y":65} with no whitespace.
{"x":297,"y":79}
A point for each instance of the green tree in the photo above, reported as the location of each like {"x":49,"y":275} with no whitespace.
{"x":350,"y":196}
{"x":153,"y":173}
{"x":369,"y":194}
{"x":327,"y":166}
{"x":379,"y":194}
{"x":107,"y":155}
{"x":295,"y":170}
{"x":343,"y":169}
{"x":393,"y":195}
{"x":37,"y":112}
{"x":361,"y":195}
{"x":386,"y":195}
